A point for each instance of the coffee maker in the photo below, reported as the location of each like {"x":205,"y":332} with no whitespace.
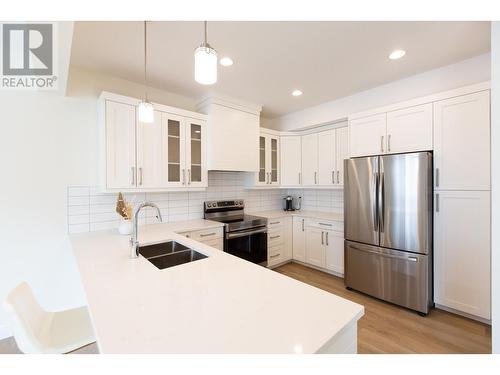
{"x":292,"y":203}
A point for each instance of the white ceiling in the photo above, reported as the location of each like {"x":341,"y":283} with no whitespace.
{"x":326,"y":60}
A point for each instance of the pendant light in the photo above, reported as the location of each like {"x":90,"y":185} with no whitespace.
{"x":205,"y":62}
{"x":146,"y":110}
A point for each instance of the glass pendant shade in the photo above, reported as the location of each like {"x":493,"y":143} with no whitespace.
{"x":205,"y":65}
{"x":146,"y":112}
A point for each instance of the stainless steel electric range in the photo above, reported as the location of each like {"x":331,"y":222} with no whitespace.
{"x":245,"y":236}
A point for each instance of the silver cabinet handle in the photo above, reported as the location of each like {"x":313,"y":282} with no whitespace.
{"x":326,"y":238}
{"x":274,"y":222}
{"x":299,"y":179}
{"x":303,"y":225}
{"x":437,"y":177}
{"x":338,"y":177}
{"x":389,"y":143}
{"x":322,"y":241}
{"x":208,"y":234}
{"x":382,"y":144}
{"x":315,"y":177}
{"x":274,"y":256}
{"x":328,"y":225}
{"x":437,"y":202}
{"x":140,"y":175}
{"x":273,"y":237}
{"x":184,"y":177}
{"x":333,"y":177}
{"x":189,"y":176}
{"x":132,"y":175}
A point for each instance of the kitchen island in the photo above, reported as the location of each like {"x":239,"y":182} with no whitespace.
{"x":220,"y":304}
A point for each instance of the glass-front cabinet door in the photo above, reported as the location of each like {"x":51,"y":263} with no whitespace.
{"x":196,"y":172}
{"x":173,"y":153}
{"x":268,"y":160}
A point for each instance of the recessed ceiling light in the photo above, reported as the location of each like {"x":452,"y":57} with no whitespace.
{"x":226,"y":61}
{"x":296,"y":93}
{"x":397,"y":54}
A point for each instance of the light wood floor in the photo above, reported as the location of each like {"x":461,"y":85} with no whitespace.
{"x":386,"y":328}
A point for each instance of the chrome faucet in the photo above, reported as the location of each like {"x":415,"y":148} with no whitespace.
{"x":134,"y":244}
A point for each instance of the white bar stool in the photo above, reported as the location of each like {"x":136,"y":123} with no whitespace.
{"x":39,"y":331}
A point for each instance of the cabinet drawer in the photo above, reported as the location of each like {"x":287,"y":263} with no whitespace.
{"x":206,"y":234}
{"x":337,"y":226}
{"x":275,"y":255}
{"x":275,"y":236}
{"x":215,"y":242}
{"x":275,"y":223}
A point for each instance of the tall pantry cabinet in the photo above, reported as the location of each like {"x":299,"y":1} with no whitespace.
{"x":462,"y":204}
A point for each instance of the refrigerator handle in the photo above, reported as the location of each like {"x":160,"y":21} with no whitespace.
{"x":381,"y":202}
{"x":375,"y":201}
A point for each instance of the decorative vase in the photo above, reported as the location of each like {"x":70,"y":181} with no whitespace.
{"x":125,"y":227}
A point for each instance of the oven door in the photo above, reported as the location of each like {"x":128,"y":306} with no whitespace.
{"x":249,"y":244}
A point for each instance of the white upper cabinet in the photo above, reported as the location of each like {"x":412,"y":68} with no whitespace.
{"x":310,"y":159}
{"x":462,"y":251}
{"x":269,"y":156}
{"x":462,"y":142}
{"x":119,"y":164}
{"x":410,"y":129}
{"x":168,"y":153}
{"x":367,"y":135}
{"x":342,"y":150}
{"x":290,"y":160}
{"x":326,"y":158}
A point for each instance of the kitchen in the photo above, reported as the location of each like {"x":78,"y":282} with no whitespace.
{"x":360,"y":215}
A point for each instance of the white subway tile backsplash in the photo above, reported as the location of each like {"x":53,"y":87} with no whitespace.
{"x":89,"y":209}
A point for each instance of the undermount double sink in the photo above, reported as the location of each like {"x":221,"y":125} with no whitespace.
{"x":169,"y":254}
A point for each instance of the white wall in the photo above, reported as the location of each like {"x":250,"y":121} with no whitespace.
{"x":495,"y":183}
{"x":463,"y":73}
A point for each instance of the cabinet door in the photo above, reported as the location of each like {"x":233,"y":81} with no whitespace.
{"x":299,"y":239}
{"x":462,"y":251}
{"x":121,"y":170}
{"x":462,"y":142}
{"x":342,"y":149}
{"x":196,"y":136}
{"x":150,"y":161}
{"x":174,"y":141}
{"x":334,"y":249}
{"x":310,"y":159}
{"x":326,"y":157}
{"x":410,"y":129}
{"x":273,"y":166}
{"x":290,"y":160}
{"x":367,"y":135}
{"x":262,"y":176}
{"x":315,"y":247}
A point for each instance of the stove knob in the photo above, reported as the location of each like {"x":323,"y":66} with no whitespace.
{"x":209,"y":205}
{"x":241,"y":203}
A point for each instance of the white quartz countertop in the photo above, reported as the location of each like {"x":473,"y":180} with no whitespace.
{"x":220,"y":304}
{"x":302,"y":213}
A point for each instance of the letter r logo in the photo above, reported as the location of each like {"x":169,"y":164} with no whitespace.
{"x":27,"y":49}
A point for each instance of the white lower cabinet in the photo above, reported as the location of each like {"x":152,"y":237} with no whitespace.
{"x":299,"y":239}
{"x":212,"y":237}
{"x":334,"y":251}
{"x":462,"y":251}
{"x":279,"y":241}
{"x":315,"y":247}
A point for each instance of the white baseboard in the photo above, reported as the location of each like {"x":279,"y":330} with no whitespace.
{"x":5,"y":332}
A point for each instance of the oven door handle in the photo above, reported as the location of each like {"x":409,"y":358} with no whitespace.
{"x":245,"y":233}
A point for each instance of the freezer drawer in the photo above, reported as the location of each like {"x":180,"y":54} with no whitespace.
{"x":395,"y":276}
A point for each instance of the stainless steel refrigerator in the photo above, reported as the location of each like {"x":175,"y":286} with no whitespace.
{"x":388,"y":228}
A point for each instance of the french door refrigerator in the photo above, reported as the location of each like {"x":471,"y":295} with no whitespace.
{"x":388,"y":228}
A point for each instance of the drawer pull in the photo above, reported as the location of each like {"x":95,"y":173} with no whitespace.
{"x":208,"y":234}
{"x":328,"y":225}
{"x":274,"y":256}
{"x":273,"y":237}
{"x":275,"y":222}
